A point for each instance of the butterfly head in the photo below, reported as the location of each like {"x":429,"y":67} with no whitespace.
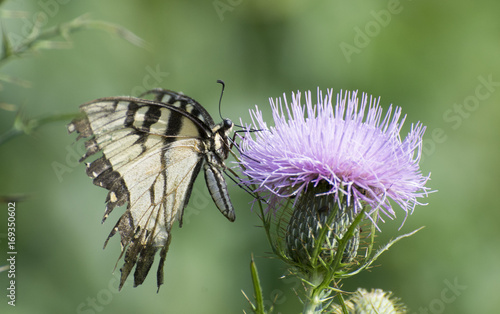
{"x":227,"y":126}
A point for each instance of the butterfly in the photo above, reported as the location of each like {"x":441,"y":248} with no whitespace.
{"x":152,"y":152}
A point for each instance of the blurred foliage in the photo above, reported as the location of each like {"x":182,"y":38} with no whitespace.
{"x":43,"y":38}
{"x":439,"y":61}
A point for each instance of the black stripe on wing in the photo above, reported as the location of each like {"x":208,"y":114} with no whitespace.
{"x":184,"y":106}
{"x":183,"y":102}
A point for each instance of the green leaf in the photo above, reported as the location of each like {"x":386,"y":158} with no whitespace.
{"x":6,"y":46}
{"x":259,"y":300}
{"x":379,"y":252}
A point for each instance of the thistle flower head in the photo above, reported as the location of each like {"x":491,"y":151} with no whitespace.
{"x":351,"y":146}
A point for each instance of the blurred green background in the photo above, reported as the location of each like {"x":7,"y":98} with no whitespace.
{"x":439,"y":60}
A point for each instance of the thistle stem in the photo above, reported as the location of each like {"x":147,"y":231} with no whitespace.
{"x":315,"y":294}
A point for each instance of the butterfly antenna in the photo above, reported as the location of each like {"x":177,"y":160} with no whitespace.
{"x":221,"y":93}
{"x":220,"y":114}
{"x":220,"y":101}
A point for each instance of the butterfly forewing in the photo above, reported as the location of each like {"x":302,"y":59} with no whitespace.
{"x":152,"y":151}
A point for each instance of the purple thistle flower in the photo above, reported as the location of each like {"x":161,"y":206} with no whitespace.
{"x":359,"y":154}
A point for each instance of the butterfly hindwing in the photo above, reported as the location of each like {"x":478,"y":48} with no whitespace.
{"x":152,"y":151}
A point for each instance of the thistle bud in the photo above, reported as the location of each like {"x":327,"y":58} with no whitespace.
{"x":305,"y":235}
{"x":372,"y":302}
